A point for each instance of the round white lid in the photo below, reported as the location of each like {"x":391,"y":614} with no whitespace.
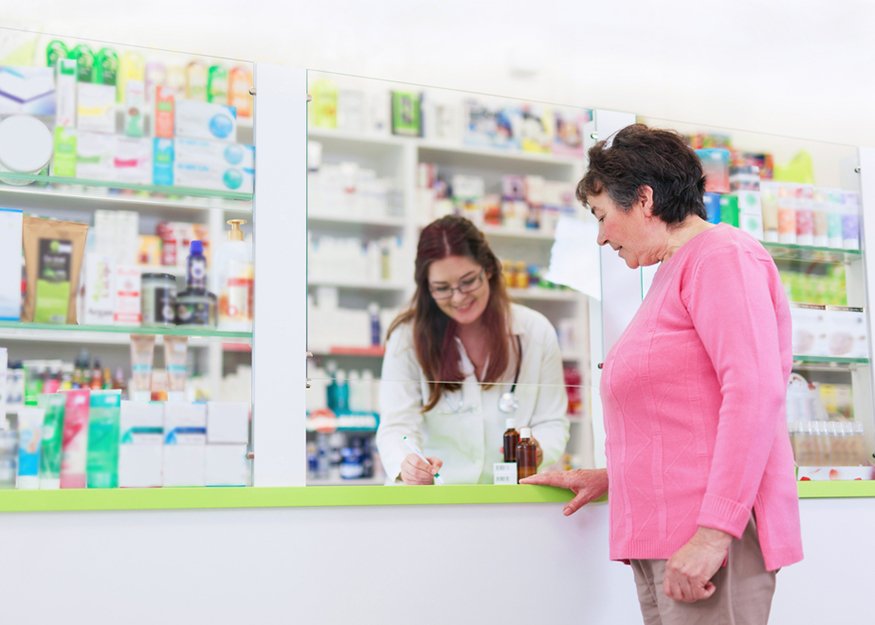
{"x":25,"y":144}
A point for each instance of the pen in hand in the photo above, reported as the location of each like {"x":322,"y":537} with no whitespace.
{"x":415,"y":451}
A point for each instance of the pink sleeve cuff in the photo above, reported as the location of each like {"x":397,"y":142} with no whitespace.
{"x":723,"y":514}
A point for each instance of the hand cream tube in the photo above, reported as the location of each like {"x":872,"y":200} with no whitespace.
{"x":53,"y":430}
{"x":74,"y":450}
{"x":30,"y":427}
{"x":142,"y":353}
{"x":175,"y":352}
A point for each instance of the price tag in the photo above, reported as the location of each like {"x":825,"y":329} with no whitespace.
{"x":504,"y":473}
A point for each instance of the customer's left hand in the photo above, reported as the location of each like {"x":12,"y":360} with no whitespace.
{"x":689,"y":571}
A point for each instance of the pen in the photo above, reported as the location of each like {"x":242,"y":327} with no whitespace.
{"x":415,"y":450}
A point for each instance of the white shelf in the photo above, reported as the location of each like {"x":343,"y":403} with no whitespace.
{"x":496,"y":232}
{"x":97,"y":198}
{"x":344,"y":136}
{"x":544,"y":295}
{"x":386,"y":222}
{"x":371,"y":481}
{"x":499,"y":154}
{"x":388,"y":287}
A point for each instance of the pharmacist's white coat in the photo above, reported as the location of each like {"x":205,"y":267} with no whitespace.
{"x":465,"y":428}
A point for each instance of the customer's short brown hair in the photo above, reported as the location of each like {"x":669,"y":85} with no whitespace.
{"x":637,"y":156}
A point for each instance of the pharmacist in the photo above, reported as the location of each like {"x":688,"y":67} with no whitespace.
{"x":460,"y":362}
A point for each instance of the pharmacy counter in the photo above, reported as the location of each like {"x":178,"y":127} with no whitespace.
{"x":326,"y":496}
{"x":388,"y":555}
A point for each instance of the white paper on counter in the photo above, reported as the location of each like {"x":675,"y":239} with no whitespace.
{"x":574,"y":259}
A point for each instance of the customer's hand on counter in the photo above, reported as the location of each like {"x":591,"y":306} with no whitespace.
{"x":586,"y":484}
{"x":415,"y":471}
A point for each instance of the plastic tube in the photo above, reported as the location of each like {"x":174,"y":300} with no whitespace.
{"x":30,"y":426}
{"x":142,"y":353}
{"x":175,"y":353}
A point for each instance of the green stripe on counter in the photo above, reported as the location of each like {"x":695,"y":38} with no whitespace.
{"x":291,"y":497}
{"x":325,"y":496}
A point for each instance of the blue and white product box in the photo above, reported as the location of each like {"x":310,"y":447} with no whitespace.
{"x":95,"y":107}
{"x":203,"y":164}
{"x":227,"y":422}
{"x":226,"y":465}
{"x":185,"y":437}
{"x":27,"y":90}
{"x":141,"y":448}
{"x":205,"y":120}
{"x":162,"y":162}
{"x":10,"y":265}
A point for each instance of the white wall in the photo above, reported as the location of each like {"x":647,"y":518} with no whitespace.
{"x":795,"y":67}
{"x":422,"y":565}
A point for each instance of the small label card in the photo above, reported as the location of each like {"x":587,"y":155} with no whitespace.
{"x":504,"y":473}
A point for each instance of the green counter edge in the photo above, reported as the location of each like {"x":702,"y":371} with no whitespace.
{"x":325,"y":496}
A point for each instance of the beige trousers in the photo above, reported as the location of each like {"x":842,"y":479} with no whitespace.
{"x":743,"y":596}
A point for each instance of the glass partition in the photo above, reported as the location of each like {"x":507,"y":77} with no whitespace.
{"x":802,"y":200}
{"x":125,"y":290}
{"x":385,"y":161}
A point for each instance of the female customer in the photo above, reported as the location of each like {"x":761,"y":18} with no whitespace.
{"x":460,"y":361}
{"x":700,"y":481}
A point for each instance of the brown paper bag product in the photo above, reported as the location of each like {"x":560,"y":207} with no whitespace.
{"x":53,"y":253}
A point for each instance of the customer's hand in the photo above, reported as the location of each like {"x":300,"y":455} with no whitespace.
{"x":415,"y":471}
{"x":689,"y":571}
{"x":586,"y":484}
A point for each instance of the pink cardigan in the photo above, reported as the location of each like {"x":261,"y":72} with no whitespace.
{"x":693,"y":395}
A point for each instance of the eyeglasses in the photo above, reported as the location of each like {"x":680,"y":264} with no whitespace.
{"x":465,"y":286}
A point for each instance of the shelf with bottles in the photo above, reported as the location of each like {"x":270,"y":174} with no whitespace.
{"x":812,"y":254}
{"x":440,"y":120}
{"x":826,"y":363}
{"x":374,"y":224}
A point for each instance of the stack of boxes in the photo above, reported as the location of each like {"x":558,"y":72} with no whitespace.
{"x":180,"y":444}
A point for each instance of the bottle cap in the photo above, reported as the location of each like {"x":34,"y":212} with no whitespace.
{"x":509,"y":423}
{"x":197,"y":248}
{"x":525,"y":433}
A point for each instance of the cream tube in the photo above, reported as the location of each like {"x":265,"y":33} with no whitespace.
{"x":142,"y":353}
{"x":30,"y":427}
{"x":175,"y":352}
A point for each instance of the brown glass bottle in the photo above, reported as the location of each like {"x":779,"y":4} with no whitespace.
{"x":511,"y":439}
{"x":526,"y":455}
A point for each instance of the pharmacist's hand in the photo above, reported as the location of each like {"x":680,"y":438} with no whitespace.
{"x":415,"y":471}
{"x":689,"y":571}
{"x":586,"y":484}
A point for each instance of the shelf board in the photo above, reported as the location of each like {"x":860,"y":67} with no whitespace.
{"x":395,"y":223}
{"x":371,"y":351}
{"x":113,"y":184}
{"x":826,"y":363}
{"x":345,"y":136}
{"x":39,"y":197}
{"x":496,"y":232}
{"x":370,"y":481}
{"x":357,"y":285}
{"x":108,"y":335}
{"x":426,"y":146}
{"x":811,"y":254}
{"x":544,"y":295}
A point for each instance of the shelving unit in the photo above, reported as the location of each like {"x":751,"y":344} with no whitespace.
{"x":397,"y":159}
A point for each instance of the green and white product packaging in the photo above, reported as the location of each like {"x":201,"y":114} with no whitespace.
{"x":53,"y":431}
{"x":142,"y":444}
{"x":103,"y":439}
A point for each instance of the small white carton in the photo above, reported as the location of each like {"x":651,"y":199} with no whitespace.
{"x":228,"y":422}
{"x":185,"y":438}
{"x":206,"y":120}
{"x":226,"y":465}
{"x":141,"y":444}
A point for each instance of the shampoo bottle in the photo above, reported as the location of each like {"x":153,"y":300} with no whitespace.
{"x":526,"y":455}
{"x":197,"y":267}
{"x":235,"y":280}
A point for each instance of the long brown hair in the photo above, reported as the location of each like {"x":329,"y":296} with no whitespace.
{"x":433,"y":331}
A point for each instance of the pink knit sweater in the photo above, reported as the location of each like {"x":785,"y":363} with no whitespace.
{"x":693,"y":395}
